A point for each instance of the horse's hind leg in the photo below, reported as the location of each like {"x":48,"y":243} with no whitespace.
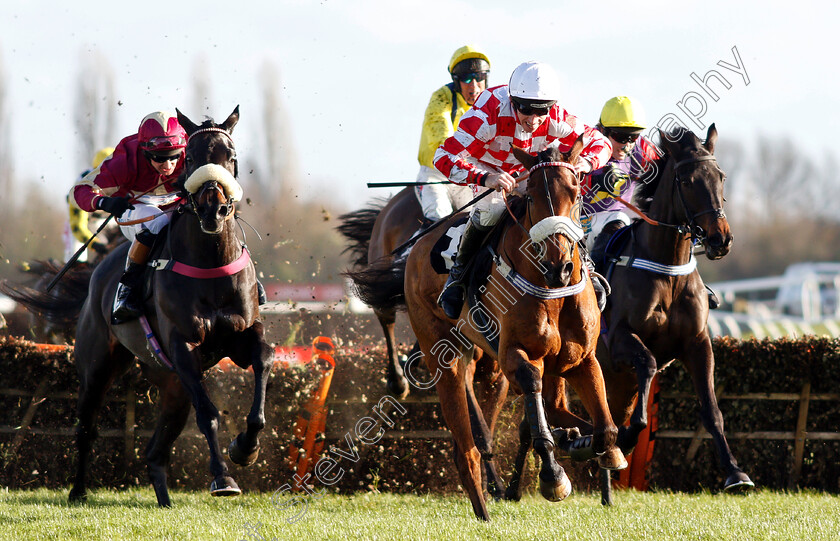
{"x":95,"y":380}
{"x":397,"y":382}
{"x":175,"y":408}
{"x":629,"y":349}
{"x":514,"y":489}
{"x":245,"y":448}
{"x":452,"y":394}
{"x":494,"y":386}
{"x":700,"y":362}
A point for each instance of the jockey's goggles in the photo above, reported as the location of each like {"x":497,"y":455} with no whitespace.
{"x":478,"y":76}
{"x":161,"y":159}
{"x":622,"y":138}
{"x":167,"y":141}
{"x":532,"y":108}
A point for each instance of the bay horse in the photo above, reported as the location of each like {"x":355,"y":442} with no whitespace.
{"x":658,"y":308}
{"x":202,"y":306}
{"x":548,"y":335}
{"x":374,"y":232}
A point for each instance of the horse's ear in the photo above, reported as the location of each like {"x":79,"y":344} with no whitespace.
{"x":231,"y":121}
{"x":711,"y":138}
{"x":524,"y":158}
{"x":577,"y":147}
{"x":188,"y":125}
{"x":667,"y":143}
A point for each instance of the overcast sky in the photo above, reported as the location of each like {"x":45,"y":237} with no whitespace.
{"x":357,"y":74}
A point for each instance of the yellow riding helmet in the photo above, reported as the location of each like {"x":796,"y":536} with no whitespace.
{"x":619,"y":112}
{"x":100,"y":156}
{"x":469,"y":52}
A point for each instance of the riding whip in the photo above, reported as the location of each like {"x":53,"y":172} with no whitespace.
{"x":403,"y":184}
{"x":79,"y":252}
{"x":77,"y":255}
{"x":432,"y":227}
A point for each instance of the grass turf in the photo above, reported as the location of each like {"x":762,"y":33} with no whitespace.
{"x":133,"y":514}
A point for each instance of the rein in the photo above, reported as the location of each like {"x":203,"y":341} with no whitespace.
{"x":690,"y":227}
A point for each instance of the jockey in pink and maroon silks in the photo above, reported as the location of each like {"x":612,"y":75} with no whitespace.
{"x":145,"y":164}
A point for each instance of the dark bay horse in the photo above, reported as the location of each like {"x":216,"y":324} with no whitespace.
{"x":536,"y":342}
{"x":658,"y":307}
{"x":374,"y":232}
{"x":202,"y":307}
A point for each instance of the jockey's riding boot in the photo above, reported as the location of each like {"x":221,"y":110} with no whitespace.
{"x":263,"y":298}
{"x":713,"y":299}
{"x":127,"y":304}
{"x":601,"y":285}
{"x":452,"y":297}
{"x":599,"y":248}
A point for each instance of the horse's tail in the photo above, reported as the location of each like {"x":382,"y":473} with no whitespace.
{"x":357,"y":227}
{"x":62,"y":308}
{"x":381,"y":284}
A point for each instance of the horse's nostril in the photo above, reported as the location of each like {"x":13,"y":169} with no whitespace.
{"x":568,"y":268}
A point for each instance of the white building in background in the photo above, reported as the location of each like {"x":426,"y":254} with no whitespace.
{"x":804,"y":300}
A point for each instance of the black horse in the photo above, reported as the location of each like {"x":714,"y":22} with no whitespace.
{"x":658,"y":310}
{"x":199,"y":317}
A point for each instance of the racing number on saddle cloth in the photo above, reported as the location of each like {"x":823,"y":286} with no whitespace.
{"x":443,"y":253}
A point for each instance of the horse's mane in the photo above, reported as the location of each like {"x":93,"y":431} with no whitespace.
{"x":646,"y":186}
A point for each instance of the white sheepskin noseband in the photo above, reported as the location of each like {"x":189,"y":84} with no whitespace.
{"x":556,"y":224}
{"x":213,"y":171}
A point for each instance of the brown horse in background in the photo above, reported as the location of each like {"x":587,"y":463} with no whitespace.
{"x":374,"y":232}
{"x":535,"y":342}
{"x":658,"y":307}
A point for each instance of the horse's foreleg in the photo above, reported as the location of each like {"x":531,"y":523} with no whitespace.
{"x":495,"y":387}
{"x":188,"y":366}
{"x":245,"y":448}
{"x":588,"y":382}
{"x":397,"y":382}
{"x":554,"y":484}
{"x":175,"y":408}
{"x":700,"y":362}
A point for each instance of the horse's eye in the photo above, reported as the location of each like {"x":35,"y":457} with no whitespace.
{"x":188,"y":159}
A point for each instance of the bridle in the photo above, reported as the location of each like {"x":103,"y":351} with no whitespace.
{"x":698,"y":234}
{"x":191,"y":198}
{"x":553,"y":224}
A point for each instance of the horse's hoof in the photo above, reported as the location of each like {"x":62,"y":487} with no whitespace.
{"x":512,"y":495}
{"x":398,"y":386}
{"x":556,"y":491}
{"x":238,"y":456}
{"x":77,"y":496}
{"x":224,"y":485}
{"x":613,"y":459}
{"x":738,"y":482}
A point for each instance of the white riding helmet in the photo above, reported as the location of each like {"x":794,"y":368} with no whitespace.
{"x":534,"y":81}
